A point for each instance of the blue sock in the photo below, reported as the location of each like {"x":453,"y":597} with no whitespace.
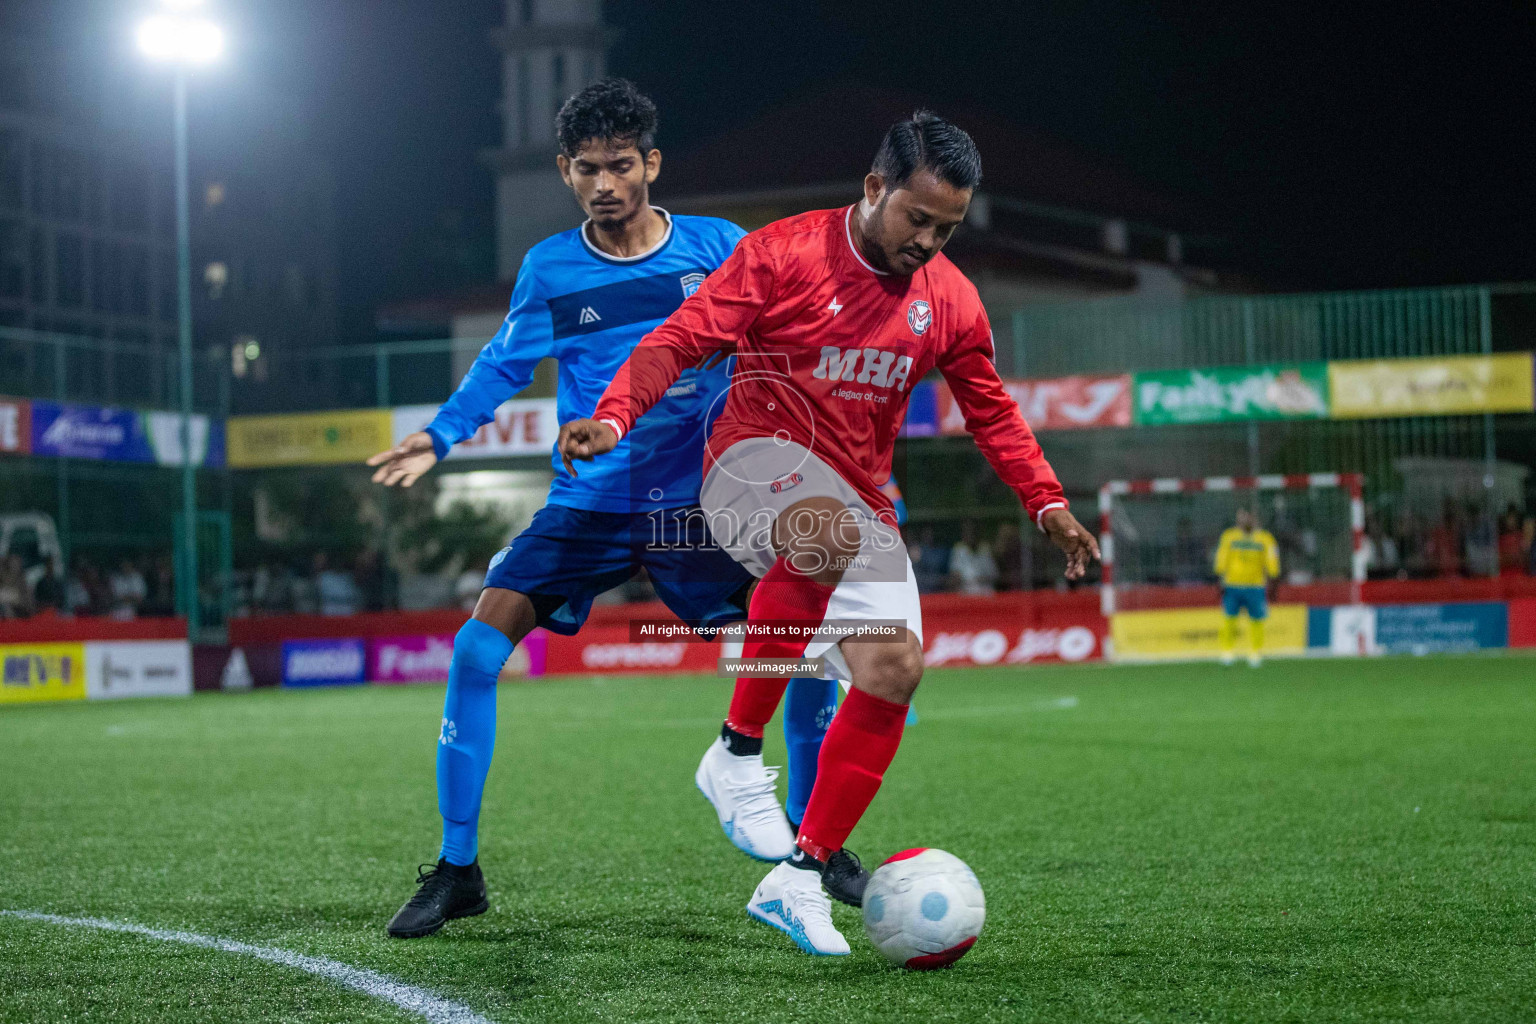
{"x":808,"y":709}
{"x":468,"y":736}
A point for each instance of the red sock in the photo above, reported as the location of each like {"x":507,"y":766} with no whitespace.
{"x":858,"y":749}
{"x":784,"y":595}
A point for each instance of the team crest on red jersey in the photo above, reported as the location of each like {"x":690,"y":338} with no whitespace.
{"x":919,"y":316}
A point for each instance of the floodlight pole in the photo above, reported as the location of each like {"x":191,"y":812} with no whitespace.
{"x":188,"y":538}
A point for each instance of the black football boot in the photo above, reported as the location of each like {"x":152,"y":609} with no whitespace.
{"x":446,"y":891}
{"x":845,"y":878}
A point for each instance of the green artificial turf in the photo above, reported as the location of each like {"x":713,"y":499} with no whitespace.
{"x":1310,"y":841}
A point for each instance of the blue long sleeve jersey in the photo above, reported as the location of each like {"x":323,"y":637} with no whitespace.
{"x":588,"y":310}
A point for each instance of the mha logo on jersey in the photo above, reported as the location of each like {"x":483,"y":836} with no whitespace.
{"x":881,"y":368}
{"x":690,"y":283}
{"x":919,"y":317}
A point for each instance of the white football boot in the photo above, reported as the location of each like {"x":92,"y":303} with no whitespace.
{"x":1255,"y":660}
{"x":746,"y":802}
{"x":792,"y":900}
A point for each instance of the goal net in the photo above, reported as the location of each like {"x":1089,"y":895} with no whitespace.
{"x":1159,"y":537}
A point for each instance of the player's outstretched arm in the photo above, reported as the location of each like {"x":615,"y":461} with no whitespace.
{"x":405,"y":463}
{"x":1073,"y":538}
{"x":584,"y":440}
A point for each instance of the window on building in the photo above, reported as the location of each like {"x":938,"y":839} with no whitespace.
{"x":40,"y":265}
{"x":136,"y":280}
{"x":69,"y":184}
{"x":13,"y":168}
{"x":13,"y":259}
{"x":69,"y":253}
{"x":129,"y":182}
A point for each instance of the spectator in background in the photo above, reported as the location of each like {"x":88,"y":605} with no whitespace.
{"x":128,"y":589}
{"x":930,"y":562}
{"x":1530,"y":545}
{"x":1442,"y":547}
{"x":48,"y":595}
{"x":162,"y":588}
{"x":374,"y":582}
{"x":971,"y":568}
{"x":1008,"y":553}
{"x":1514,"y":553}
{"x":15,"y":595}
{"x":1382,"y":560}
{"x":335,"y":589}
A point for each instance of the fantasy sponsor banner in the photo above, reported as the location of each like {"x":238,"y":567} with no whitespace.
{"x":324,"y":662}
{"x":308,"y":439}
{"x":1440,"y":628}
{"x":66,"y":430}
{"x":523,"y":426}
{"x":138,"y":668}
{"x":41,"y":672}
{"x":1187,"y":633}
{"x":1060,"y":403}
{"x":1223,"y":394}
{"x":1431,"y":387}
{"x":15,"y":425}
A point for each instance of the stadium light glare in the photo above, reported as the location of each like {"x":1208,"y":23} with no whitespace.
{"x":181,"y":5}
{"x":180,"y":39}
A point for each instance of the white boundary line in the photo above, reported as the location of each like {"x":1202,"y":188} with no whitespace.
{"x":379,"y":986}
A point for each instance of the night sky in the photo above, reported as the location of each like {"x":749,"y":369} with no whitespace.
{"x":1339,"y":147}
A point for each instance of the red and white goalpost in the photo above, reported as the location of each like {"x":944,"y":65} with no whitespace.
{"x":1124,"y":490}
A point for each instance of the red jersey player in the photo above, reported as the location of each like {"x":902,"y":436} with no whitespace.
{"x":833,"y":317}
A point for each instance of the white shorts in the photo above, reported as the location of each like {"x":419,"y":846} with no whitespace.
{"x":755,"y":480}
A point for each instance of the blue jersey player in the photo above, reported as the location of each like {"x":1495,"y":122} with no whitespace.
{"x":585,"y":297}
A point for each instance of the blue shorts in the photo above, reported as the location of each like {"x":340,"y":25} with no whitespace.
{"x":1235,"y":599}
{"x":568,"y":556}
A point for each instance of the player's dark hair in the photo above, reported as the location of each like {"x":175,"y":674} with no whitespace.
{"x":927,"y":142}
{"x":611,"y":109}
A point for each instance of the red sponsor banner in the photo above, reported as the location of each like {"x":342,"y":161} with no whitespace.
{"x":1059,"y":403}
{"x":15,"y":425}
{"x":600,"y":649}
{"x":1522,"y":622}
{"x":1002,"y":636}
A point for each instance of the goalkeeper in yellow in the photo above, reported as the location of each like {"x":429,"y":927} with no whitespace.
{"x":1246,"y":560}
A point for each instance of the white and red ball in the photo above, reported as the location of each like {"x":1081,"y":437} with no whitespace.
{"x":924,"y":908}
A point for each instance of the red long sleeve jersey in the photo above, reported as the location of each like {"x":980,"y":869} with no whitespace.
{"x":828,"y":349}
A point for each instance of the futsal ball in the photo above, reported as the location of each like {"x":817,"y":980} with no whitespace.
{"x":924,"y":909}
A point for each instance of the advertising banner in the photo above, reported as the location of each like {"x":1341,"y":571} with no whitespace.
{"x":1061,"y":403}
{"x":425,"y":659}
{"x":1185,"y":633}
{"x":138,"y":668}
{"x":523,"y":426}
{"x":163,"y":431}
{"x":15,"y":426}
{"x":1010,"y":645}
{"x":1431,"y":387}
{"x":1441,"y":628}
{"x":1522,"y":622}
{"x":66,"y":430}
{"x":308,"y":438}
{"x":40,"y":672}
{"x":324,"y":662}
{"x":1294,"y":391}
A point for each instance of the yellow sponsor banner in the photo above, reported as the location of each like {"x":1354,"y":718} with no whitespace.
{"x":36,"y":672}
{"x":1431,"y":387}
{"x":1193,"y":632}
{"x":308,"y":438}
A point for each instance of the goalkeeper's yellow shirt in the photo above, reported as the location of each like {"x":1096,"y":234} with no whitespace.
{"x":1247,"y":559}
